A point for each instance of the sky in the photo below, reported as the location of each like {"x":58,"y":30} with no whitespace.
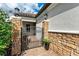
{"x":24,"y":7}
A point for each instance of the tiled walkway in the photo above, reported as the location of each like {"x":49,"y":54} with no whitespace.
{"x":40,"y":51}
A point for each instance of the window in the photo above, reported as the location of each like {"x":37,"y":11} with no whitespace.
{"x":28,"y":27}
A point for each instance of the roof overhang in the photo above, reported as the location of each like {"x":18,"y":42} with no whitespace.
{"x":33,"y":15}
{"x":42,"y":9}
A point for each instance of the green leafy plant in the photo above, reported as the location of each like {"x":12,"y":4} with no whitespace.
{"x":46,"y":40}
{"x":46,"y":43}
{"x":5,"y":32}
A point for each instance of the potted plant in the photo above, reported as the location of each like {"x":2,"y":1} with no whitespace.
{"x":46,"y":43}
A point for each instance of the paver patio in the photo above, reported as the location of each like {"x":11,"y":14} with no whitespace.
{"x":39,"y":51}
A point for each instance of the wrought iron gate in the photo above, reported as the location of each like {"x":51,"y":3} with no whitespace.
{"x":29,"y":40}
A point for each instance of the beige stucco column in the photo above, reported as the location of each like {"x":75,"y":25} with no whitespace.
{"x":16,"y":36}
{"x":45,"y":28}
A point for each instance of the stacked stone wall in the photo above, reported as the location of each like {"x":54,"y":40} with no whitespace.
{"x":64,"y":43}
{"x":16,"y":36}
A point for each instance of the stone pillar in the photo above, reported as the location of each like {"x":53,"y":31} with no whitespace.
{"x":45,"y":28}
{"x":16,"y":36}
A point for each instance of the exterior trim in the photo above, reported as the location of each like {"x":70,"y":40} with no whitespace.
{"x":61,"y":31}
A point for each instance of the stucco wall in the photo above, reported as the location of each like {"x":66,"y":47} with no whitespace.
{"x":39,"y":21}
{"x":64,"y":18}
{"x":32,"y":27}
{"x":39,"y":31}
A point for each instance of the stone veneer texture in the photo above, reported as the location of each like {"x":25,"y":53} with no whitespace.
{"x":16,"y":37}
{"x":64,"y":44}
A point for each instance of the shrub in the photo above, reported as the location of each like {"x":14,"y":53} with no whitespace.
{"x":5,"y":33}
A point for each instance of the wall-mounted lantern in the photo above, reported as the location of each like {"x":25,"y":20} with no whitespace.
{"x":46,"y":15}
